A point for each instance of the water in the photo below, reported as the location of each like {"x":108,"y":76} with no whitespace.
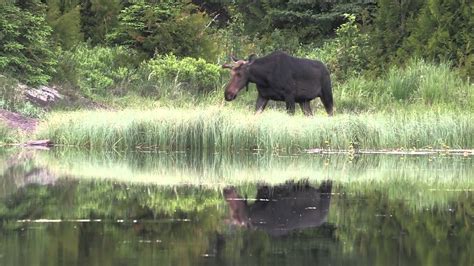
{"x":66,"y":207}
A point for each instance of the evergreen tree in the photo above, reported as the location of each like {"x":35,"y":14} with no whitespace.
{"x":64,"y":18}
{"x":308,"y":21}
{"x":99,"y":18}
{"x":444,"y":31}
{"x":166,"y":27}
{"x":25,"y":44}
{"x":390,"y":27}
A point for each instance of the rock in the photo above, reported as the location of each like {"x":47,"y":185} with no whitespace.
{"x":43,"y":95}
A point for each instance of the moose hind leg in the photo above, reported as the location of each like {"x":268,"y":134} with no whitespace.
{"x":306,"y":108}
{"x":290,"y":104}
{"x":290,"y":107}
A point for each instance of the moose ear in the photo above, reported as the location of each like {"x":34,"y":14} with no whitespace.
{"x":234,"y":58}
{"x":252,"y":58}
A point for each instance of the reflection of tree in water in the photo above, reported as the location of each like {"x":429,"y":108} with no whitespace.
{"x":388,"y":232}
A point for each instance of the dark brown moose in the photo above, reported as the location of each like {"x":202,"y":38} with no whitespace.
{"x":281,"y":209}
{"x":281,"y":77}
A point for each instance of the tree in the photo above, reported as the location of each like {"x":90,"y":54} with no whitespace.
{"x":308,"y":21}
{"x":25,"y":49}
{"x":166,"y":27}
{"x":443,"y":31}
{"x":390,"y":27}
{"x":65,"y":19}
{"x":99,"y":18}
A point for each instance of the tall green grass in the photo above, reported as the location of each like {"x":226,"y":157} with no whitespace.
{"x":418,"y":83}
{"x":6,"y":134}
{"x":223,"y":129}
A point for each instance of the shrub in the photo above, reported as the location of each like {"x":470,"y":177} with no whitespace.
{"x":97,"y":70}
{"x":346,"y":55}
{"x":12,"y":99}
{"x":194,"y":76}
{"x":165,"y":27}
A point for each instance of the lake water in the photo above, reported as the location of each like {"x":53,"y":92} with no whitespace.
{"x":67,"y":207}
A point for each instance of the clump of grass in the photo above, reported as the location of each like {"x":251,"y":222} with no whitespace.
{"x":6,"y":134}
{"x":221,"y":129}
{"x":419,"y":83}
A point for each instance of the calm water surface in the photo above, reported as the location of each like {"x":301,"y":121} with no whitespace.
{"x":66,"y":207}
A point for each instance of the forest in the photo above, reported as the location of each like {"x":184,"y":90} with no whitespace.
{"x":384,"y":56}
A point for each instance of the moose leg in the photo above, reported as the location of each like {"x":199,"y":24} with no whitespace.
{"x":261,"y":104}
{"x":306,"y":108}
{"x":290,"y":105}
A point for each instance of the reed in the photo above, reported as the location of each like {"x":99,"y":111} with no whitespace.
{"x":419,"y":83}
{"x":220,"y":129}
{"x":6,"y":134}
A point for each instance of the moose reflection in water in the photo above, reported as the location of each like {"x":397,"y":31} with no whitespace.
{"x":281,"y":209}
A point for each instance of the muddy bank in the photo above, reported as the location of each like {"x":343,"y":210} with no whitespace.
{"x":18,"y":121}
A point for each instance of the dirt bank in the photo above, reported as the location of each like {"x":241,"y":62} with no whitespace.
{"x":18,"y":121}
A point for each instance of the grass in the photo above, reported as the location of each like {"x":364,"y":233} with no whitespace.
{"x":221,"y":129}
{"x":417,"y":84}
{"x":6,"y":134}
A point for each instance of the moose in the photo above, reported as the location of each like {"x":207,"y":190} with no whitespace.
{"x":281,"y":77}
{"x":281,"y":209}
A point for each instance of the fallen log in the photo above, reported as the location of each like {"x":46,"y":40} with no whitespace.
{"x":41,"y":143}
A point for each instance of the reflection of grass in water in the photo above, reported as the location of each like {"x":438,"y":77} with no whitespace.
{"x":420,"y":180}
{"x":223,"y":129}
{"x":375,"y":186}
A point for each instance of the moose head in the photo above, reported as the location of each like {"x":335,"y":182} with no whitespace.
{"x":240,"y":76}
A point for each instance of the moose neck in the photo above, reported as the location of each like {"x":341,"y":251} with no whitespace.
{"x":254,"y":76}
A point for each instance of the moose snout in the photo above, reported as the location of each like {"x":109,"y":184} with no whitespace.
{"x":229,"y":97}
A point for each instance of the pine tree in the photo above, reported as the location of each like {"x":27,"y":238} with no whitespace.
{"x":444,"y":31}
{"x":64,"y":17}
{"x":390,"y":28}
{"x":99,"y":18}
{"x":25,"y":49}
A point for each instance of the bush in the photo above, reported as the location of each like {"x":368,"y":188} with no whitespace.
{"x":12,"y":99}
{"x":97,"y":70}
{"x":173,"y":75}
{"x":346,"y":55}
{"x":165,"y":27}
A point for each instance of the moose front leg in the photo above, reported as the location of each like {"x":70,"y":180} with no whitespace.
{"x":261,"y":104}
